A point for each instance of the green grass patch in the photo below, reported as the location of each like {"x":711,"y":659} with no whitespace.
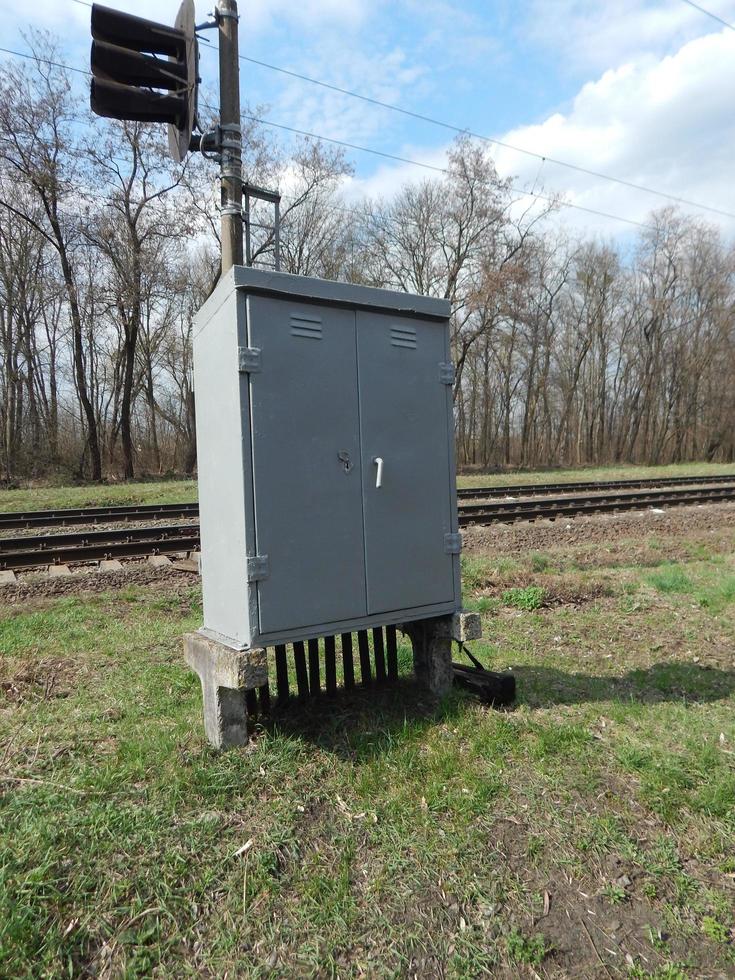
{"x":593,"y":474}
{"x":98,"y":495}
{"x":671,"y":578}
{"x":531,"y":950}
{"x":475,"y":572}
{"x":529,"y":598}
{"x":540,"y":563}
{"x":715,"y":930}
{"x":391,"y":835}
{"x":717,"y":596}
{"x":482,"y":604}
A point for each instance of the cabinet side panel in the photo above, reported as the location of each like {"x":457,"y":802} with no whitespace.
{"x":452,"y":467}
{"x":222,"y":492}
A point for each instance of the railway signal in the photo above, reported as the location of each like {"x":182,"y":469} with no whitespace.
{"x":146,"y":72}
{"x":149,"y":72}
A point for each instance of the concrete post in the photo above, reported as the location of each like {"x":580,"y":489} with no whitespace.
{"x":226,"y":675}
{"x":432,"y":647}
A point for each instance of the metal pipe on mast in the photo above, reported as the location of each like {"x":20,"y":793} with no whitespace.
{"x":231,"y":134}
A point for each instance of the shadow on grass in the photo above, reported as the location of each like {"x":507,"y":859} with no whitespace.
{"x":544,"y":687}
{"x":365,"y":722}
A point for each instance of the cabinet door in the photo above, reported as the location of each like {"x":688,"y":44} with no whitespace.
{"x":306,"y":464}
{"x":404,"y":422}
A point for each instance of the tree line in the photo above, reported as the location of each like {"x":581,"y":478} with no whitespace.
{"x":568,"y":351}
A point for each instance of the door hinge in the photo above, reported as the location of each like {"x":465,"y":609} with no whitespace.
{"x":446,"y":372}
{"x":258,"y":568}
{"x":453,"y":543}
{"x":248,"y":360}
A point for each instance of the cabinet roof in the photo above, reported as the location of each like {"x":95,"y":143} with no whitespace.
{"x":337,"y":293}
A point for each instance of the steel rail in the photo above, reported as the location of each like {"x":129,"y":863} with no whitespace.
{"x":71,"y":516}
{"x":83,"y":546}
{"x":542,"y":489}
{"x":96,"y":515}
{"x":507,"y":512}
{"x":54,"y":549}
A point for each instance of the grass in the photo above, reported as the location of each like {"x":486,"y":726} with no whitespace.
{"x":97,"y":495}
{"x":529,"y":598}
{"x":593,"y":473}
{"x":714,"y":590}
{"x":671,"y":578}
{"x":175,"y":491}
{"x":531,"y":950}
{"x":390,"y":836}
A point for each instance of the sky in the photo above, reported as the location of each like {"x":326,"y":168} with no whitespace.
{"x":641,"y":90}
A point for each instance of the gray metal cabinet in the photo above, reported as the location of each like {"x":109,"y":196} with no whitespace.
{"x":336,"y":473}
{"x":308,"y":511}
{"x":404,"y":421}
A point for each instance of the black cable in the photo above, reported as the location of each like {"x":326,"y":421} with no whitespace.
{"x":708,"y":13}
{"x":371,"y":150}
{"x":441,"y":170}
{"x":577,"y":168}
{"x":491,"y":140}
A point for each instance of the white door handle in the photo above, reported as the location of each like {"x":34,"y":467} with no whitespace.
{"x":378,"y":460}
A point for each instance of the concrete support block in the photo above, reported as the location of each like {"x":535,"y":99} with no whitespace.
{"x":59,"y":571}
{"x":466,"y":626}
{"x":7,"y":576}
{"x":159,"y":561}
{"x":432,"y":653}
{"x":432,"y":647}
{"x":226,"y":675}
{"x":186,"y":565}
{"x":110,"y":565}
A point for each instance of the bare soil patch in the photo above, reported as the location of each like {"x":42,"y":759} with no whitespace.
{"x":554,"y":592}
{"x":42,"y":680}
{"x":88,"y":580}
{"x":626,"y":538}
{"x":601,"y":924}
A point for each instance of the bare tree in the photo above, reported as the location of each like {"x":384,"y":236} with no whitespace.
{"x":138,"y":216}
{"x":39,"y":151}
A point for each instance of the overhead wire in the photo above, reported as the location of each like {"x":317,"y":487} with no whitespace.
{"x":441,"y":170}
{"x":543,"y":157}
{"x":433,"y":167}
{"x":708,"y":13}
{"x":460,"y":130}
{"x":366,"y":149}
{"x":372,"y":150}
{"x":45,"y":61}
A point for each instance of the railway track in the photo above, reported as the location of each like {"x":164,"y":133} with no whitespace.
{"x":134,"y":513}
{"x":550,"y":508}
{"x":57,"y":549}
{"x":68,"y":517}
{"x":131,"y":542}
{"x":546,"y":489}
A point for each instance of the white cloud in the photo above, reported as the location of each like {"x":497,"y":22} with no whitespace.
{"x":666,"y":123}
{"x":389,"y":176}
{"x":255,"y":15}
{"x":386,"y":76}
{"x":455,"y":34}
{"x":269,"y":14}
{"x":657,"y":110}
{"x":593,"y":36}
